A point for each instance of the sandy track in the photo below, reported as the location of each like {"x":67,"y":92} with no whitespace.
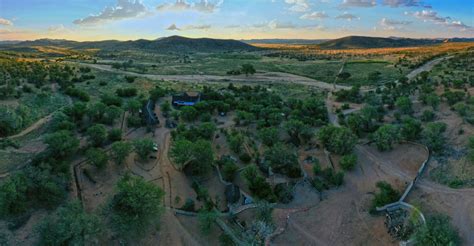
{"x":427,"y":67}
{"x":263,"y":77}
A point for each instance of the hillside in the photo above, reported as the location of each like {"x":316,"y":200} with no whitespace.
{"x":361,"y":42}
{"x":168,"y":44}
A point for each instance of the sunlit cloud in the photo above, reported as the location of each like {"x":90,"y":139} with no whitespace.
{"x":388,"y":24}
{"x":5,"y":22}
{"x":347,"y":16}
{"x":358,"y":3}
{"x":204,"y":6}
{"x":298,"y":5}
{"x":314,"y":16}
{"x":122,"y":10}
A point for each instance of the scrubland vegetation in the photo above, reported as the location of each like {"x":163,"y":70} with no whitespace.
{"x":80,"y":162}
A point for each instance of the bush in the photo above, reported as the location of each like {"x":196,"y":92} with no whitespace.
{"x":437,"y":231}
{"x":135,"y":207}
{"x":97,"y":157}
{"x":229,"y":170}
{"x":97,"y":134}
{"x":115,"y":135}
{"x":386,"y":136}
{"x":348,"y":162}
{"x":245,"y":157}
{"x":339,"y":140}
{"x":143,"y":147}
{"x":284,"y":193}
{"x":126,"y":92}
{"x":386,"y":195}
{"x":70,"y":224}
{"x":427,"y":116}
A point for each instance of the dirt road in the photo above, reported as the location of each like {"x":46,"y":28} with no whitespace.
{"x":427,"y":67}
{"x":263,"y":77}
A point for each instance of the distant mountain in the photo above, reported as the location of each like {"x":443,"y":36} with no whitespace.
{"x":361,"y":42}
{"x":171,"y":44}
{"x":285,"y":41}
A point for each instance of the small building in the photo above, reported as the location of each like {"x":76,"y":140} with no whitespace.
{"x":186,"y":99}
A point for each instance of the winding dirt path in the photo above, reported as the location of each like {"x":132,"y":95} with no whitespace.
{"x":263,"y":77}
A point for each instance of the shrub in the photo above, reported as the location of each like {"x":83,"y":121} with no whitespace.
{"x":339,"y":140}
{"x":229,"y":170}
{"x":437,"y":231}
{"x":143,"y":147}
{"x":348,"y":162}
{"x":386,"y":136}
{"x":97,"y":157}
{"x":115,"y":135}
{"x":386,"y":195}
{"x":70,"y":224}
{"x":135,"y":207}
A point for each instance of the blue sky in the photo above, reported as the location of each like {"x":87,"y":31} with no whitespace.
{"x":236,"y":19}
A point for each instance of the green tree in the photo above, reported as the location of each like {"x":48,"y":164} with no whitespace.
{"x":269,"y":136}
{"x":165,"y":107}
{"x":437,"y":231}
{"x":248,"y":69}
{"x":97,"y":157}
{"x":189,"y":113}
{"x":70,"y":225}
{"x":386,"y":136}
{"x":13,"y":199}
{"x":62,"y":143}
{"x":206,"y":218}
{"x":143,"y":147}
{"x":119,"y":151}
{"x":410,"y":129}
{"x":339,"y":140}
{"x":229,"y":170}
{"x":111,"y":114}
{"x":433,"y":136}
{"x":348,"y":162}
{"x":115,"y":135}
{"x":404,"y":104}
{"x":344,"y":75}
{"x":133,"y":105}
{"x":97,"y":134}
{"x":283,"y":160}
{"x":199,"y":155}
{"x":386,"y":195}
{"x":257,"y":184}
{"x":136,"y":206}
{"x":432,"y":100}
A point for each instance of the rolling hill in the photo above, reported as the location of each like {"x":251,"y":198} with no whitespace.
{"x":361,"y":42}
{"x":173,"y":44}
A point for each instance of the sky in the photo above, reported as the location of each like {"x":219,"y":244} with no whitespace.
{"x":234,"y":19}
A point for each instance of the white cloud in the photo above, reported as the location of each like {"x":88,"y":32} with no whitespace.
{"x":122,"y":10}
{"x":197,"y":27}
{"x":173,"y":27}
{"x":298,"y":5}
{"x":5,"y":22}
{"x":274,"y":24}
{"x":358,"y":3}
{"x":347,"y":16}
{"x":58,"y":29}
{"x":402,"y":3}
{"x":314,"y":16}
{"x":204,"y":6}
{"x":432,"y":16}
{"x":388,"y":24}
